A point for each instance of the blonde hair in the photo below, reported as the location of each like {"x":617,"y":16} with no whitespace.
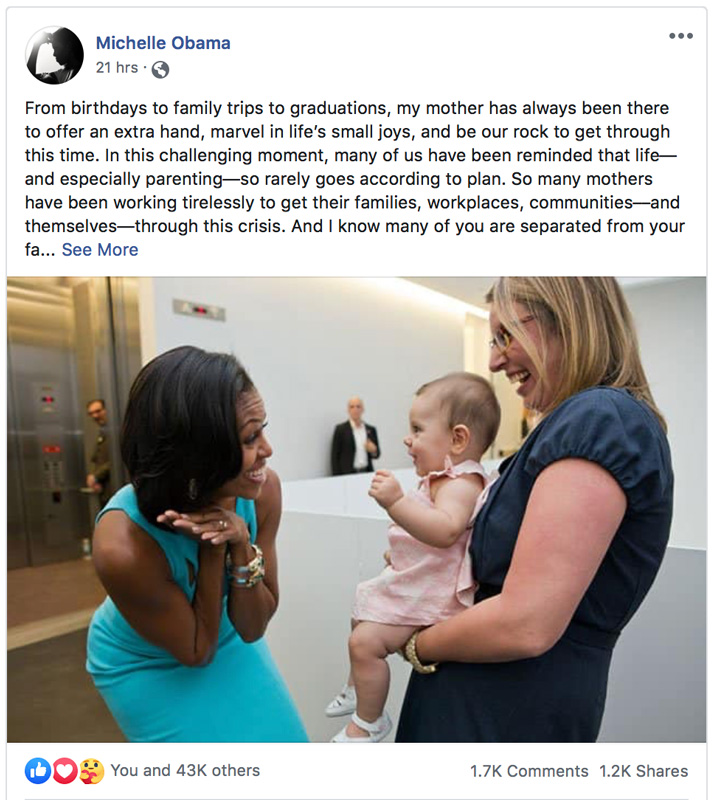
{"x":469,"y":400}
{"x":591,"y":319}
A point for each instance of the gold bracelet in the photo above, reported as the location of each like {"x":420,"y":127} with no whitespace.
{"x":410,"y":653}
{"x":252,"y":573}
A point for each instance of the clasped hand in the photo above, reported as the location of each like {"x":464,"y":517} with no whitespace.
{"x":212,"y":526}
{"x":385,"y":488}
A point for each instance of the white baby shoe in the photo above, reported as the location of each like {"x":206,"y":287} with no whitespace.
{"x":377,"y":730}
{"x":343,"y":703}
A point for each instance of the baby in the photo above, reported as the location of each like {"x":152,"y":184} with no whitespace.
{"x":453,"y":421}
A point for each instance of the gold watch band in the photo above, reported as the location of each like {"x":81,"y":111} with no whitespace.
{"x":410,"y":653}
{"x":252,"y":573}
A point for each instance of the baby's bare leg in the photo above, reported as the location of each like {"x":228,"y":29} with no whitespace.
{"x":351,"y":678}
{"x":370,"y":644}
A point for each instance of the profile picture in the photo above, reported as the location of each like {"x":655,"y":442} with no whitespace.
{"x":54,"y":55}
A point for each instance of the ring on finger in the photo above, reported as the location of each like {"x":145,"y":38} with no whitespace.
{"x":222,"y":525}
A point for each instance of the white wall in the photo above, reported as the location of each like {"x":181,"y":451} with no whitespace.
{"x":311,"y":343}
{"x":477,"y":333}
{"x":670,"y":318}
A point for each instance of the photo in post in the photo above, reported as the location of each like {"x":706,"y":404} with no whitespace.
{"x":223,"y":314}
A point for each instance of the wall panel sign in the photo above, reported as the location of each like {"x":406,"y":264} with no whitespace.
{"x":204,"y":310}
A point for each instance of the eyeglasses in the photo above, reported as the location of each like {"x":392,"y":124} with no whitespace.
{"x":503,"y":338}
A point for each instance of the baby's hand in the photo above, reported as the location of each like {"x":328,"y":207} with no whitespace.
{"x":385,"y":488}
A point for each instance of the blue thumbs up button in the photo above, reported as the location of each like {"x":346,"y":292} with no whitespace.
{"x":37,"y":770}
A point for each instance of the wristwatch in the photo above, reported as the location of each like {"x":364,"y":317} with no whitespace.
{"x":410,"y":653}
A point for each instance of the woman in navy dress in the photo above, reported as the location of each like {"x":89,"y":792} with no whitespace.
{"x":570,"y":538}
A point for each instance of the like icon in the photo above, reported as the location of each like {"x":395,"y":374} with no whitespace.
{"x":65,"y":770}
{"x":37,"y":770}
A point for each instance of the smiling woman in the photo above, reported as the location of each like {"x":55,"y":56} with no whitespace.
{"x":187,"y":555}
{"x":571,"y":536}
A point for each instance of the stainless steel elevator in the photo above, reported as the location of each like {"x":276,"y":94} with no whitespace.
{"x":70,"y":340}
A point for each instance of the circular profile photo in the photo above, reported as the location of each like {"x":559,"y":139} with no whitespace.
{"x":54,"y":55}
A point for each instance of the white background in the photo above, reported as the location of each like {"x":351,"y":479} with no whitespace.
{"x":386,"y":54}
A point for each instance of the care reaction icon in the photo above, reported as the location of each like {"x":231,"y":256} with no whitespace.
{"x":92,"y":771}
{"x":65,"y":770}
{"x":37,"y":770}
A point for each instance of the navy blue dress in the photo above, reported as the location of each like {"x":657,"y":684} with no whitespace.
{"x":559,"y":696}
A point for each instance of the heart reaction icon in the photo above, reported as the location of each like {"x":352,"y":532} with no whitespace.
{"x":65,"y":770}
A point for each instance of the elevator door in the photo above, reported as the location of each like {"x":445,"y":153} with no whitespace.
{"x":68,"y":339}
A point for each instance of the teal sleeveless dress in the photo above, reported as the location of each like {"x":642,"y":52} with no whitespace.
{"x":239,"y":697}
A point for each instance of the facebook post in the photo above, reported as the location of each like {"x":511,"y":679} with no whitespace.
{"x":290,"y":467}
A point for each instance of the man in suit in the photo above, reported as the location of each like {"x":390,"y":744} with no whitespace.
{"x":354,"y":443}
{"x":100,"y":464}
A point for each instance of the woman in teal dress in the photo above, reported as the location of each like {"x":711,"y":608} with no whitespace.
{"x":187,"y":555}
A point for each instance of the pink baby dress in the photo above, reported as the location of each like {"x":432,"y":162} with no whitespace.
{"x":423,"y":584}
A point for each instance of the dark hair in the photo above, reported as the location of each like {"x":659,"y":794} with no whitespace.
{"x":180,"y":439}
{"x":468,"y":399}
{"x":96,"y":400}
{"x":68,"y":50}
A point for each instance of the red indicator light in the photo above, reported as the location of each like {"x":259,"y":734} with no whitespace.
{"x":48,"y":399}
{"x":51,"y":448}
{"x":200,"y":310}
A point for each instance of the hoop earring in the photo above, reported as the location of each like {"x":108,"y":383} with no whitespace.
{"x":192,"y":489}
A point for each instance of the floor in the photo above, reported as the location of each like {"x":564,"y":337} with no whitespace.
{"x":41,"y":593}
{"x":50,"y":696}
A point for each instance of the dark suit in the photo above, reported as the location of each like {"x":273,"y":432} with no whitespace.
{"x":343,"y":449}
{"x":100,"y":466}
